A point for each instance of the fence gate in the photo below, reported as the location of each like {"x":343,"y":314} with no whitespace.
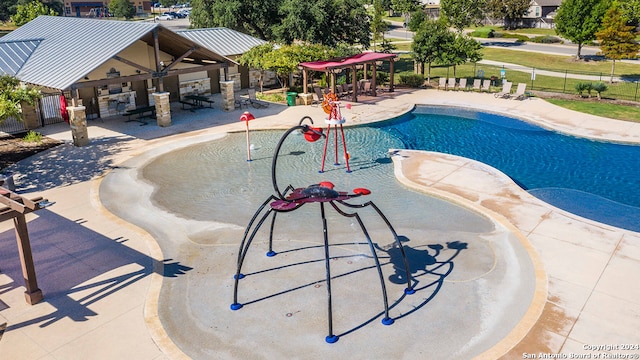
{"x":50,"y":110}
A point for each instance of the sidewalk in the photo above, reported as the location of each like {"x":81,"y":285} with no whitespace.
{"x":101,"y":277}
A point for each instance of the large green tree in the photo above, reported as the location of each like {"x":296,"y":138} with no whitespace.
{"x":253,"y":17}
{"x":461,"y":50}
{"x":30,"y":11}
{"x":462,"y":13}
{"x":578,"y":20}
{"x":284,"y":60}
{"x":509,"y":10}
{"x":122,"y":9}
{"x":617,"y":40}
{"x":429,"y":44}
{"x":378,"y":25}
{"x":631,"y":11}
{"x":12,"y":94}
{"x":327,"y":22}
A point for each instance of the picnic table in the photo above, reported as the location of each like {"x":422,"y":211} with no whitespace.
{"x":196,"y":102}
{"x":141,"y":111}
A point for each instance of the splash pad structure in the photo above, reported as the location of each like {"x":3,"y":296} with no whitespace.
{"x":331,"y":106}
{"x":322,"y":193}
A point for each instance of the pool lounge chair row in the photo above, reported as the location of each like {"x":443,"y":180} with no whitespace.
{"x":452,"y":84}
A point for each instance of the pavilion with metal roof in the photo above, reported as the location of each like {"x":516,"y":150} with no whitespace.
{"x":68,"y":53}
{"x":354,"y":62}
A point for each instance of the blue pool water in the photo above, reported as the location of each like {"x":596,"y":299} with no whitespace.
{"x":594,"y":179}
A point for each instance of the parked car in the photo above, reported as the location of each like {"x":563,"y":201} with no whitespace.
{"x":184,"y":12}
{"x":176,"y":15}
{"x":164,"y":16}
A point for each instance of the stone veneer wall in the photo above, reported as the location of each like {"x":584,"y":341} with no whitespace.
{"x":197,"y":87}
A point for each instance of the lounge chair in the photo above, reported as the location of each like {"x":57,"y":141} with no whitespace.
{"x":367,"y":88}
{"x":240,"y":101}
{"x":451,"y":84}
{"x":254,"y":101}
{"x":506,"y":91}
{"x":486,"y":85}
{"x":442,"y":83}
{"x":463,"y":84}
{"x":520,"y":92}
{"x":477,"y":83}
{"x":317,"y":96}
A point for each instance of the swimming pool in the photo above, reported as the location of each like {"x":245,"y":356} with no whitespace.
{"x":593,"y":179}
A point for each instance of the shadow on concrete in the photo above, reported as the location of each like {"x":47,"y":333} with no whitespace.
{"x":77,"y":267}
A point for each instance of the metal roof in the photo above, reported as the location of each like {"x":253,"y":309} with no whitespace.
{"x":13,"y":55}
{"x":223,"y":41}
{"x":73,"y":47}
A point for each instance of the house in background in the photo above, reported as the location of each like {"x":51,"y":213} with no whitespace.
{"x":231,"y":44}
{"x":541,"y":13}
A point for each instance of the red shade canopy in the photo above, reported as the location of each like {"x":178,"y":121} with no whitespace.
{"x":246,"y":116}
{"x":361,"y":58}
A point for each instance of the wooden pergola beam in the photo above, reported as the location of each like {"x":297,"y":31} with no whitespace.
{"x":16,"y":207}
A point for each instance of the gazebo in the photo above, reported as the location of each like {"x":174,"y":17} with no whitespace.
{"x":354,"y":62}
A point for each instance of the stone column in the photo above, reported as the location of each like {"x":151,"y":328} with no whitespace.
{"x":29,"y":116}
{"x":78,"y":123}
{"x":307,"y":99}
{"x":228,"y":100}
{"x":163,"y":110}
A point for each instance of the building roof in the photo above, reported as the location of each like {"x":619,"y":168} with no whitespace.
{"x":13,"y":55}
{"x":69,"y":48}
{"x":223,"y":41}
{"x":548,"y":2}
{"x":366,"y":57}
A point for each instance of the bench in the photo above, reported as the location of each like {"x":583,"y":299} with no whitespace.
{"x":141,"y":114}
{"x":192,"y":105}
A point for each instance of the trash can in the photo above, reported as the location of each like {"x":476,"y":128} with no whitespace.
{"x":291,"y":98}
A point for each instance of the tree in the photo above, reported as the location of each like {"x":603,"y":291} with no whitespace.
{"x":122,"y":9}
{"x":578,"y":20}
{"x":284,"y":60}
{"x":327,"y":22}
{"x":631,"y":11}
{"x":30,"y":11}
{"x":462,"y":13}
{"x":509,"y":10}
{"x":378,"y":25}
{"x":617,"y":40}
{"x":253,"y":17}
{"x":462,"y":49}
{"x":405,"y":7}
{"x":429,"y":43}
{"x":12,"y":94}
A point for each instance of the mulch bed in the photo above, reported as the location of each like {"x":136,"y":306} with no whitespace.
{"x":14,"y":149}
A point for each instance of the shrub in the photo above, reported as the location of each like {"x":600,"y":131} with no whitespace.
{"x":599,"y":88}
{"x":547,"y":39}
{"x":518,"y":37}
{"x":32,"y":136}
{"x":483,"y":33}
{"x":412,"y":80}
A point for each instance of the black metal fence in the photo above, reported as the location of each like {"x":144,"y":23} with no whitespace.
{"x":551,"y":80}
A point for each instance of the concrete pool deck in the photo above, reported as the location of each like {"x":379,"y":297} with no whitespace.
{"x":106,"y":305}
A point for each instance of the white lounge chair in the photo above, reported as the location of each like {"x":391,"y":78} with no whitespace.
{"x":451,"y":84}
{"x":486,"y":85}
{"x":477,"y":83}
{"x":520,"y":92}
{"x":506,"y":91}
{"x":462,"y":85}
{"x":442,"y":83}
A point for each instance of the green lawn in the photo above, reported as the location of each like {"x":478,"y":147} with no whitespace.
{"x":614,"y":111}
